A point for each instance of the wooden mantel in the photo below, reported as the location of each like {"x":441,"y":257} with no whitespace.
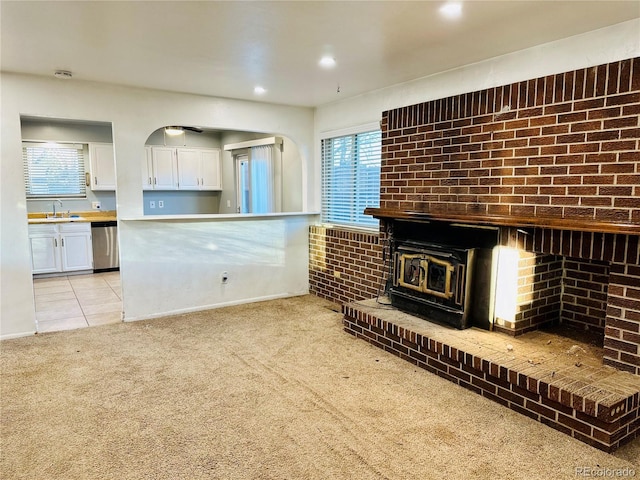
{"x":579,"y":225}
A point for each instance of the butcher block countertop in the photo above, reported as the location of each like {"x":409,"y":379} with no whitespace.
{"x":87,"y":217}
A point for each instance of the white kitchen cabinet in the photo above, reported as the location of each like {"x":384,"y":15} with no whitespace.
{"x":76,"y":249}
{"x":165,"y":168}
{"x":189,"y":168}
{"x":147,"y":169}
{"x":44,"y":242}
{"x":199,"y":169}
{"x":102,"y":168}
{"x":211,"y":178}
{"x":62,"y":247}
{"x":181,"y":168}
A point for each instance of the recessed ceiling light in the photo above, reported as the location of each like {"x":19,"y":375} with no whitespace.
{"x":327,"y":62}
{"x":451,"y":10}
{"x":259,"y":90}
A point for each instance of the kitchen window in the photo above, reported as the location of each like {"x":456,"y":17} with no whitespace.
{"x":351,"y":176}
{"x":54,"y":169}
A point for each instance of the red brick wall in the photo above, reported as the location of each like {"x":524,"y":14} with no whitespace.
{"x":345,"y":265}
{"x":567,"y":148}
{"x":622,"y":332}
{"x":584,"y":296}
{"x":563,"y":146}
{"x":553,"y":288}
{"x":539,"y":288}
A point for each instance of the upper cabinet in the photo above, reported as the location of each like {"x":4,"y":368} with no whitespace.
{"x":178,"y":168}
{"x":102,"y":167}
{"x":199,"y":169}
{"x":165,"y":171}
{"x":147,"y":169}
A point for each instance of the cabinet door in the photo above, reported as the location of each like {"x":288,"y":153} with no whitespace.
{"x":147,"y":170}
{"x":45,"y":256}
{"x":102,"y":166}
{"x":210,"y":170}
{"x":165,"y":175}
{"x":75,"y":243}
{"x":189,"y":168}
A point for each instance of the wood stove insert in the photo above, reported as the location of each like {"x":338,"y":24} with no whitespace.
{"x":442,"y":272}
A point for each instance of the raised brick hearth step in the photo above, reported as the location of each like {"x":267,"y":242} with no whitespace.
{"x":552,"y":379}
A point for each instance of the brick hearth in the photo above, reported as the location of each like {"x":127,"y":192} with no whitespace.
{"x":553,"y":380}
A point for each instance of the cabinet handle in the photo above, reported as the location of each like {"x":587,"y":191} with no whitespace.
{"x":55,"y":242}
{"x":62,"y":240}
{"x":149,"y":180}
{"x":96,"y":179}
{"x":155,"y":180}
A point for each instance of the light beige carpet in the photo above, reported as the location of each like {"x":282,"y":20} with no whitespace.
{"x":274,"y":390}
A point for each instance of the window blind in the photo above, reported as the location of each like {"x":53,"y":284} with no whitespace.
{"x":351,"y":178}
{"x":54,"y":170}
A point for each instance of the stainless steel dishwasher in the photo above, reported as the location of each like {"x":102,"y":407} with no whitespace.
{"x":104,"y":237}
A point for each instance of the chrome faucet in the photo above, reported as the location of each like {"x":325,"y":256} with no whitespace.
{"x":54,"y":206}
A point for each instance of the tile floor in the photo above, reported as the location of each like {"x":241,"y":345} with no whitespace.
{"x":77,"y":301}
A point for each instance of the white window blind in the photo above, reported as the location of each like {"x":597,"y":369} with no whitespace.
{"x":54,"y":170}
{"x":351,"y":178}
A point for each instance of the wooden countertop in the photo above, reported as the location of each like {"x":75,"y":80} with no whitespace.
{"x":86,"y":217}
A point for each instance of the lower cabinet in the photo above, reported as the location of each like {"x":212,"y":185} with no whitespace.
{"x":62,"y":247}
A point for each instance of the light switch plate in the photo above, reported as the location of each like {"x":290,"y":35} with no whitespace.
{"x":96,"y":205}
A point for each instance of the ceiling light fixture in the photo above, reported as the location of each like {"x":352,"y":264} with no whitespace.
{"x":451,"y":10}
{"x":327,"y":62}
{"x":259,"y":90}
{"x":64,"y":74}
{"x":173,"y":131}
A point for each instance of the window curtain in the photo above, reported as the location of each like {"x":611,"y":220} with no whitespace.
{"x":262,"y":179}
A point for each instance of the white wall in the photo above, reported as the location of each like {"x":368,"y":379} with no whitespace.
{"x":134,"y":114}
{"x":602,"y":46}
{"x":263,"y":258}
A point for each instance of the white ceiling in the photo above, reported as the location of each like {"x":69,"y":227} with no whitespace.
{"x":226,"y":48}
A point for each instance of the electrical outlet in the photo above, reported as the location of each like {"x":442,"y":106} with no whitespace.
{"x":228,"y":203}
{"x":96,"y":205}
{"x":152,"y":204}
{"x":160,"y":203}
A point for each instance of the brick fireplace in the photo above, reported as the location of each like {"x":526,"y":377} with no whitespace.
{"x":553,"y":164}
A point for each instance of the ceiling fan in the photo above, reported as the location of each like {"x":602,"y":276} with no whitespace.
{"x":179,"y":130}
